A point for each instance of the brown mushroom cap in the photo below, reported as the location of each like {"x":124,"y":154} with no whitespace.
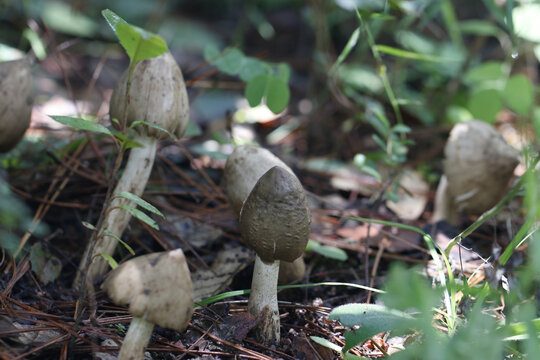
{"x":157,"y":287}
{"x":478,"y":166}
{"x":157,"y":95}
{"x":244,"y":167}
{"x":275,"y":219}
{"x":15,"y":101}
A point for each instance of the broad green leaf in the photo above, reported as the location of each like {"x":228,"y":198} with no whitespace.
{"x":141,"y":216}
{"x":485,"y":104}
{"x":63,"y":17}
{"x":137,"y":200}
{"x":410,"y":55}
{"x":152,"y":125}
{"x":36,"y":43}
{"x":284,"y":72}
{"x":326,"y":343}
{"x":112,"y":263}
{"x":139,"y":43}
{"x":81,"y":124}
{"x":456,"y":114}
{"x":253,"y":67}
{"x":113,"y":235}
{"x":277,"y":94}
{"x":488,"y":71}
{"x":256,"y":89}
{"x":327,"y":251}
{"x":112,"y":19}
{"x":211,"y":52}
{"x":230,"y":62}
{"x":536,"y":122}
{"x":371,"y":318}
{"x":518,"y":94}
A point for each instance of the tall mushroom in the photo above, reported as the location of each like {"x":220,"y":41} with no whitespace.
{"x":157,"y":96}
{"x":478,"y":166}
{"x":158,"y":289}
{"x":15,"y":101}
{"x":243,"y":169}
{"x":275,"y":222}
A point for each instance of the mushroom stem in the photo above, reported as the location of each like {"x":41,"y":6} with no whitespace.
{"x":133,"y":180}
{"x":136,"y":339}
{"x":263,"y":300}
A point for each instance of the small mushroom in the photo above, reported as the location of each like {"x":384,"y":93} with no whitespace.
{"x":243,"y":169}
{"x":478,"y":167}
{"x":158,"y":290}
{"x":15,"y":101}
{"x":275,"y":222}
{"x":157,"y":96}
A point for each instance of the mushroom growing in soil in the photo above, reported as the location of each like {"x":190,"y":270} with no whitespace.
{"x":275,"y":222}
{"x":158,"y":290}
{"x":15,"y":101}
{"x":243,"y":169}
{"x":478,"y":167}
{"x":157,"y":96}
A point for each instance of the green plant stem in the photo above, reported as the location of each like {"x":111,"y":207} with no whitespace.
{"x":382,"y":69}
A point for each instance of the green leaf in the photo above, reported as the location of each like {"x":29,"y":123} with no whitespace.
{"x":369,"y":168}
{"x":485,"y":104}
{"x":518,"y":94}
{"x":152,"y":125}
{"x":112,"y":263}
{"x":277,"y":94}
{"x":113,"y":235}
{"x":284,"y":72}
{"x":137,"y":200}
{"x":372,"y":320}
{"x":138,"y":43}
{"x":488,"y":71}
{"x":351,"y":43}
{"x":326,"y":343}
{"x":253,"y":67}
{"x":231,"y":62}
{"x":327,"y":251}
{"x":141,"y":216}
{"x":256,"y":89}
{"x":88,"y":225}
{"x":536,"y":122}
{"x":81,"y":124}
{"x":410,"y":55}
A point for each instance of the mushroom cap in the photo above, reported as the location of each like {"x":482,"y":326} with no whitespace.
{"x":16,"y":100}
{"x":479,"y":165}
{"x":157,"y":287}
{"x":157,"y":96}
{"x":275,"y":219}
{"x":244,"y":167}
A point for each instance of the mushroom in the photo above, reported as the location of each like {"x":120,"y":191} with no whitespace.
{"x":244,"y":167}
{"x":275,"y":222}
{"x":15,"y":101}
{"x":478,"y":166}
{"x":158,"y":289}
{"x":157,"y":96}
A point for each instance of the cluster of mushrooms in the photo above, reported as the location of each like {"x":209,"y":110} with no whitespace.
{"x":264,"y":193}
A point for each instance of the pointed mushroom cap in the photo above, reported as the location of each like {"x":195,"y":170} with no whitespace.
{"x":15,"y":101}
{"x":244,"y":167}
{"x":157,"y":95}
{"x":157,"y":287}
{"x":275,"y":219}
{"x":478,"y":165}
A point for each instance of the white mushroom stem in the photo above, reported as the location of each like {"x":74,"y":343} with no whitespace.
{"x":133,"y":180}
{"x":263,"y":300}
{"x":444,"y":204}
{"x":136,"y":339}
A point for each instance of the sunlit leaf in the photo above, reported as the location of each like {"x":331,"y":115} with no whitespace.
{"x":112,"y":263}
{"x":326,"y":343}
{"x":81,"y":124}
{"x":327,"y":251}
{"x":518,"y":94}
{"x":410,"y":55}
{"x":277,"y":94}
